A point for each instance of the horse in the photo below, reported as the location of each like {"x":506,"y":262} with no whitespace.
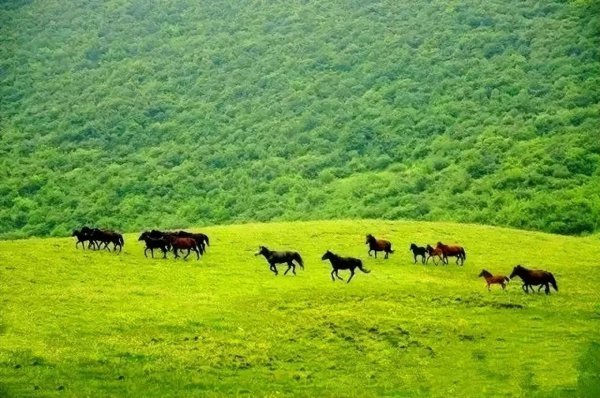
{"x":378,"y":245}
{"x":105,"y":237}
{"x":452,"y":251}
{"x":418,"y":251}
{"x":433,"y":253}
{"x":182,"y":243}
{"x":491,"y":279}
{"x":154,"y":243}
{"x":532,"y":278}
{"x":82,"y":237}
{"x":274,"y":257}
{"x":338,"y":263}
{"x":200,"y":238}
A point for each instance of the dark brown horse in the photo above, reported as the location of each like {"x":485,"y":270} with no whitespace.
{"x":104,"y":237}
{"x":154,"y":243}
{"x":491,"y":279}
{"x":378,"y":245}
{"x":200,"y":238}
{"x":535,"y":277}
{"x":274,"y":258}
{"x":183,"y":243}
{"x":433,"y":253}
{"x":338,"y":263}
{"x":452,"y":251}
{"x":418,"y":251}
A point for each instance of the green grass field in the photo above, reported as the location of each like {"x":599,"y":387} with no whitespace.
{"x":94,"y":324}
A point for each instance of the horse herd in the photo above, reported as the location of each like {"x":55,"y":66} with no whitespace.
{"x":178,"y":241}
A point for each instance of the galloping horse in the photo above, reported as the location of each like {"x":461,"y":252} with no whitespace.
{"x":82,"y":237}
{"x":154,"y":243}
{"x":433,"y":253}
{"x":183,"y":243}
{"x":532,"y":278}
{"x":338,"y":263}
{"x":274,"y":258}
{"x":104,"y":237}
{"x":418,"y":251}
{"x":491,"y":279}
{"x":452,"y":251}
{"x":378,"y":245}
{"x":200,"y":238}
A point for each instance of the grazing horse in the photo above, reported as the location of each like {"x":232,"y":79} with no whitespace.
{"x":378,"y":245}
{"x":154,"y":243}
{"x":82,"y":237}
{"x":532,"y":278}
{"x":452,"y":251}
{"x":338,"y":263}
{"x":182,"y":243}
{"x":433,"y":253}
{"x":104,"y":237}
{"x":274,"y":258}
{"x":418,"y":251}
{"x":491,"y":279}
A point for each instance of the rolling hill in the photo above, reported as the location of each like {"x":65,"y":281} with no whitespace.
{"x":133,"y":114}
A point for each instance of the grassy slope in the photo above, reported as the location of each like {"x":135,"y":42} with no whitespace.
{"x":224,"y":325}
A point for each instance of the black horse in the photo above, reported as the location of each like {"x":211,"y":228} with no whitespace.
{"x":82,"y":237}
{"x":418,"y":251}
{"x":274,"y":258}
{"x":154,"y":243}
{"x":338,"y":263}
{"x":532,"y":278}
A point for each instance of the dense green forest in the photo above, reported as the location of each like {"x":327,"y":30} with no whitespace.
{"x":135,"y":114}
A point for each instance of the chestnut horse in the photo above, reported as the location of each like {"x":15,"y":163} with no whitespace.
{"x":535,"y":277}
{"x":433,"y":253}
{"x":452,"y":251}
{"x":491,"y":279}
{"x":181,"y":243}
{"x":378,"y":245}
{"x":338,"y":263}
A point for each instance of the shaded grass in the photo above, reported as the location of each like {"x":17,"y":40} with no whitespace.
{"x":101,"y":324}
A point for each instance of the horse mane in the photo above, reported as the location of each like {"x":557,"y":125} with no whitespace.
{"x":485,"y":273}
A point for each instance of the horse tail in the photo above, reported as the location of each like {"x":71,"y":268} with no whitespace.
{"x":206,"y":239}
{"x":553,"y":281}
{"x":463,"y":252}
{"x":390,"y":248}
{"x":507,"y":279}
{"x":299,"y":259}
{"x":121,"y":241}
{"x":360,"y":267}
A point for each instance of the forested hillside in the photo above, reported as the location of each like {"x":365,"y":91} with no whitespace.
{"x":133,"y":114}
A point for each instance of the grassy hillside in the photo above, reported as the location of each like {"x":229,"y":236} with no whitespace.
{"x":77,"y":323}
{"x":127,"y":114}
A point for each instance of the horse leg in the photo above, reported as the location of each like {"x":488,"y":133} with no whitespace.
{"x":423,"y":259}
{"x":287,"y":270}
{"x":351,"y":275}
{"x":547,"y":290}
{"x":338,"y":276}
{"x":332,"y":278}
{"x":146,"y":252}
{"x":188,"y":253}
{"x":197,"y":253}
{"x":369,"y":252}
{"x":175,"y":252}
{"x":488,"y":285}
{"x":375,"y":253}
{"x":415,"y":256}
{"x":293,"y":266}
{"x":273,"y":268}
{"x":386,"y":255}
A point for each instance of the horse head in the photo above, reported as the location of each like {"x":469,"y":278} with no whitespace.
{"x":261,"y":250}
{"x":327,"y":255}
{"x":370,"y":238}
{"x":484,"y":273}
{"x":518,"y":270}
{"x":413,"y":246}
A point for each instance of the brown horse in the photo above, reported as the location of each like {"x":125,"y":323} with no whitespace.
{"x":378,"y":245}
{"x":535,"y":277}
{"x":452,"y":251}
{"x":433,"y":253}
{"x":183,"y":243}
{"x":491,"y":279}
